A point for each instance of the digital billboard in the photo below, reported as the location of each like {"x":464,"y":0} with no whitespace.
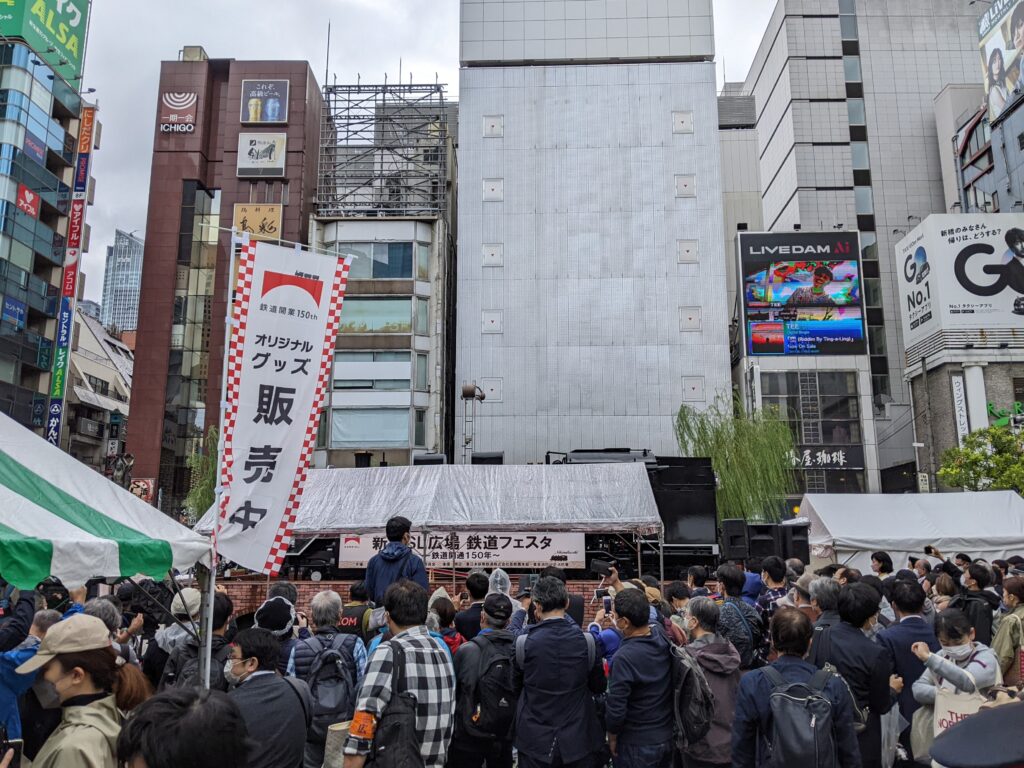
{"x":962,"y":272}
{"x":1001,"y":43}
{"x":264,"y":101}
{"x":801,"y":293}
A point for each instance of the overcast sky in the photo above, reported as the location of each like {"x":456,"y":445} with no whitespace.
{"x":129,"y":38}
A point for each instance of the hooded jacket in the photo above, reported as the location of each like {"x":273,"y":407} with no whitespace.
{"x":980,"y":607}
{"x":396,"y":561}
{"x":85,"y":738}
{"x":721,"y":664}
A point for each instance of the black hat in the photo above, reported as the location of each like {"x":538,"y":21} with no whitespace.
{"x":276,"y":615}
{"x":958,"y":747}
{"x":498,"y":607}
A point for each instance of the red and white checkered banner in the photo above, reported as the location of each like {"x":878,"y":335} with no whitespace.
{"x":285,"y":318}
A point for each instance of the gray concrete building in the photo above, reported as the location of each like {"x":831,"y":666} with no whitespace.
{"x":591,"y":272}
{"x":847,"y":140}
{"x":122,"y":282}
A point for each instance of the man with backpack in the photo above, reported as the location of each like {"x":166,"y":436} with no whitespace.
{"x":395,"y":562}
{"x":738,"y":621}
{"x":638,"y":715}
{"x":790,"y":714}
{"x":486,"y":708}
{"x":976,"y":601}
{"x":720,"y":663}
{"x":182,"y":669}
{"x":332,"y":664}
{"x":558,"y":671}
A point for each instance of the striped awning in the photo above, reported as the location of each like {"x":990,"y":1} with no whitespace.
{"x":60,"y":518}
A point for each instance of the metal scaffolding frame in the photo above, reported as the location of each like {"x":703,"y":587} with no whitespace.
{"x":383,"y":151}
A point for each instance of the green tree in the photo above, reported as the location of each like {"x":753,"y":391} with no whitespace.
{"x":990,"y":460}
{"x":204,"y":477}
{"x":752,"y":454}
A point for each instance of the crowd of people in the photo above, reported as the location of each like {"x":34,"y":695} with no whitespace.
{"x":759,"y":663}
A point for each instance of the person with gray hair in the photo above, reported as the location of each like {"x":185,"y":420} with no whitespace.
{"x":720,"y":661}
{"x":107,"y":612}
{"x":309,"y":654}
{"x":825,"y":599}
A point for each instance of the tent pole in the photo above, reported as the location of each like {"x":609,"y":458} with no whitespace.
{"x":639,"y":555}
{"x":206,"y":635}
{"x":661,"y":554}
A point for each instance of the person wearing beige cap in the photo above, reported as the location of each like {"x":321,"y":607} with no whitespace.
{"x":80,"y":673}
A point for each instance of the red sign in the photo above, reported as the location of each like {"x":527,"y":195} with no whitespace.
{"x":28,"y":201}
{"x":75,"y":222}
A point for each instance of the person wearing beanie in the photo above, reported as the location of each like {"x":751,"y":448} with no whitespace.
{"x":277,"y":616}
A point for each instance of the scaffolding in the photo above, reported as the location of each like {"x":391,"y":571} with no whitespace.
{"x":383,"y":151}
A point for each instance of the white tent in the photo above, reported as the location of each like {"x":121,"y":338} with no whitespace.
{"x":566,"y":497}
{"x":847,"y":528}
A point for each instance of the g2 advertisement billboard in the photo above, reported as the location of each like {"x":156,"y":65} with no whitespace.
{"x":801,"y":293}
{"x":961,"y":272}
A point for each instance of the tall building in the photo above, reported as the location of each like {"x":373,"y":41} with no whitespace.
{"x":236,"y":145}
{"x":122,"y":280}
{"x":386,"y":199}
{"x":847,"y":141}
{"x":90,"y":308}
{"x":591,"y":272}
{"x":43,"y":202}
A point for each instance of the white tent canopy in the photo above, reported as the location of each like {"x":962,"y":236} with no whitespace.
{"x":847,"y":528}
{"x":567,"y":497}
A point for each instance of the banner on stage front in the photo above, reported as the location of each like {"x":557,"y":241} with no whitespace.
{"x":470,"y":549}
{"x":284,"y":320}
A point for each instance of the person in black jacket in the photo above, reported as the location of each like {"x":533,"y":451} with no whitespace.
{"x":467,"y":622}
{"x":276,"y":710}
{"x":639,"y":714}
{"x":467,"y":750}
{"x":182,"y":668}
{"x":977,"y":602}
{"x":15,"y":629}
{"x":867,"y":667}
{"x":556,"y":720}
{"x":575,"y":611}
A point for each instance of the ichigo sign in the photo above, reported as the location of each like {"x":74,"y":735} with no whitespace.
{"x":288,"y":304}
{"x":28,"y":201}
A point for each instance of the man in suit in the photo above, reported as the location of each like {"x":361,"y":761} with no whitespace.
{"x":276,"y":710}
{"x":910,"y":627}
{"x":467,"y":622}
{"x":575,"y":610}
{"x":866,"y":666}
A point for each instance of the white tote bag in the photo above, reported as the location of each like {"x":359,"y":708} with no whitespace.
{"x":951,"y":706}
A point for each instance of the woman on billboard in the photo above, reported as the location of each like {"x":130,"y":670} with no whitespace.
{"x":997,"y":90}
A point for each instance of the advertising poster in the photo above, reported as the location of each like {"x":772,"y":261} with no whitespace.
{"x":144,"y":488}
{"x":265,"y":102}
{"x":802,"y":293}
{"x":471,"y":549}
{"x":261,"y":221}
{"x":1001,"y":44}
{"x":28,"y":201}
{"x":285,"y":320}
{"x":963,"y":425}
{"x":961,"y":272}
{"x":14,"y":312}
{"x":54,"y":29}
{"x":261,"y":155}
{"x":34,"y":147}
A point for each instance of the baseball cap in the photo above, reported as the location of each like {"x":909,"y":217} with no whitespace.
{"x":498,"y":607}
{"x":73,"y":635}
{"x":186,"y":602}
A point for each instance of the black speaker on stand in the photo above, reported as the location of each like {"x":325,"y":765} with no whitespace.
{"x":735,"y":545}
{"x":795,"y":542}
{"x":765,"y":539}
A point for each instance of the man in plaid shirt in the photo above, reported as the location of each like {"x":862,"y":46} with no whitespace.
{"x":429,"y":677}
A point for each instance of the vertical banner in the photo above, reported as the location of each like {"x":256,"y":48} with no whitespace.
{"x":284,"y":321}
{"x":963,"y":426}
{"x":69,"y":284}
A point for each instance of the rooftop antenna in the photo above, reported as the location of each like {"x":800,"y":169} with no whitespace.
{"x":327,"y":63}
{"x":399,"y":70}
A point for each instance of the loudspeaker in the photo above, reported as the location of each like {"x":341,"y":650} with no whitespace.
{"x":795,"y":542}
{"x":488,"y":458}
{"x":735,"y":545}
{"x":688,"y":515}
{"x":765,"y":540}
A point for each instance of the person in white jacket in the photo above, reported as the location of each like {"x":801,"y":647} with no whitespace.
{"x":962,"y":665}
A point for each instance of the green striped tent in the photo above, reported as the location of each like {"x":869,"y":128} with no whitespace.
{"x":60,"y":518}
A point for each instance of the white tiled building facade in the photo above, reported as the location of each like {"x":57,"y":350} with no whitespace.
{"x":122,"y":280}
{"x":591,"y":273}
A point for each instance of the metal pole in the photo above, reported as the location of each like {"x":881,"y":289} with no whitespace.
{"x":661,"y":555}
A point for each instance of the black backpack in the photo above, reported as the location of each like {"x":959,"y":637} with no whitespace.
{"x":803,"y":725}
{"x":187,"y":673}
{"x":396,"y":742}
{"x":693,"y":702}
{"x":492,"y":712}
{"x":332,"y":683}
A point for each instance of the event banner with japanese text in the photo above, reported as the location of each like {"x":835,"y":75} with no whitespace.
{"x":469,"y":549}
{"x":285,"y":316}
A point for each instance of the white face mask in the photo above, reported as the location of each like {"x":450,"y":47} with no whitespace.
{"x":229,"y":672}
{"x":963,"y":579}
{"x":958,"y":652}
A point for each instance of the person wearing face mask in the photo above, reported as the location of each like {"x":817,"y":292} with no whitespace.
{"x":976,"y":601}
{"x":1009,"y":640}
{"x":962,"y":665}
{"x":80,"y":674}
{"x":276,"y":709}
{"x":720,"y":662}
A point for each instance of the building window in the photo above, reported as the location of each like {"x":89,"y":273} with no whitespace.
{"x":284,"y":193}
{"x":382,"y":370}
{"x":422,"y":261}
{"x":422,"y":317}
{"x":872,"y":291}
{"x":99,"y":386}
{"x":851,"y":69}
{"x":420,"y":429}
{"x":422,"y":373}
{"x":848,"y":6}
{"x":855,"y":109}
{"x":876,"y":343}
{"x":378,"y":261}
{"x":376,"y":315}
{"x":869,"y":246}
{"x":848,"y":27}
{"x":859,"y":153}
{"x":322,"y":428}
{"x":863,"y":201}
{"x":369,"y":427}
